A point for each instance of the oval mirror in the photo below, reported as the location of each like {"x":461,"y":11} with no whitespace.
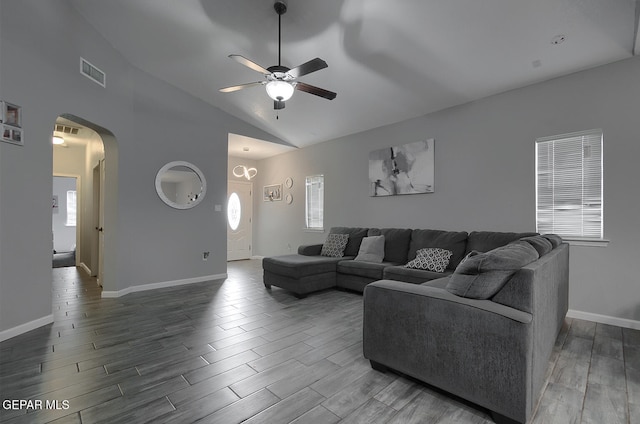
{"x":181,"y":185}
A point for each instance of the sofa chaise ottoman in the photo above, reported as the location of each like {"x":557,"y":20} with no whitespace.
{"x":309,"y":271}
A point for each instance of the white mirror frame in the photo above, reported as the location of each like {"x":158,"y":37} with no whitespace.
{"x":170,"y":202}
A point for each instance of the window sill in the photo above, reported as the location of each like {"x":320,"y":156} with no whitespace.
{"x":587,"y":242}
{"x":313,"y":230}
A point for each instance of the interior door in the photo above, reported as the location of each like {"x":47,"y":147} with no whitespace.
{"x":239,"y":217}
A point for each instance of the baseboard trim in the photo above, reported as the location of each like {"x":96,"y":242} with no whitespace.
{"x":161,"y":285}
{"x":26,"y":327}
{"x":257,"y":257}
{"x":604,"y":319}
{"x":85,"y":268}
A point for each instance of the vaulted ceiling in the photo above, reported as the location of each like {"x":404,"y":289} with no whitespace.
{"x":388,"y":60}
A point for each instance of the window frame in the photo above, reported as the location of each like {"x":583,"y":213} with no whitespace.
{"x":556,"y":176}
{"x":72,"y":205}
{"x":313,"y":180}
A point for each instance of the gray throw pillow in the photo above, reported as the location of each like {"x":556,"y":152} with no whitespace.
{"x":555,"y":239}
{"x":371,"y":249}
{"x":334,"y":245}
{"x":482,"y":275}
{"x":431,"y":258}
{"x":541,"y":244}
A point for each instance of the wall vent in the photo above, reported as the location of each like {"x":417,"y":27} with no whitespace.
{"x":93,"y":73}
{"x":66,"y":129}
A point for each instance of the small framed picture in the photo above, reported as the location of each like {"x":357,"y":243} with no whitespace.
{"x":11,"y":114}
{"x":272,"y":193}
{"x":12,"y":135}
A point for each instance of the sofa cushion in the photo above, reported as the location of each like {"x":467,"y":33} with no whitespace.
{"x":355,"y":238}
{"x":482,"y":275}
{"x":334,"y":245}
{"x":371,"y":249}
{"x":483,"y":241}
{"x":362,"y":269}
{"x":541,"y":244}
{"x":555,"y":239}
{"x":431,"y":259}
{"x":298,"y":266}
{"x":411,"y":275}
{"x":455,"y":241}
{"x":396,"y":243}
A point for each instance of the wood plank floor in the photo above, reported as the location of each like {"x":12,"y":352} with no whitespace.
{"x":230,"y":351}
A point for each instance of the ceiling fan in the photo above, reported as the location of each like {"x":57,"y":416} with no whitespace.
{"x":279,"y":80}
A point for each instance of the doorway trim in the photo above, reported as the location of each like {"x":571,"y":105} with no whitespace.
{"x":79,"y":199}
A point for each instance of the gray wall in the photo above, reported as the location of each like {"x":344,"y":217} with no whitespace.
{"x":152,"y":123}
{"x":484,"y":177}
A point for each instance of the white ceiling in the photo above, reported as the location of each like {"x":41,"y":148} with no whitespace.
{"x":244,"y":147}
{"x":388,"y":60}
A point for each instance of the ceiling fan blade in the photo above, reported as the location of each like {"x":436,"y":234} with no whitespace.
{"x":329,"y":95}
{"x":240,"y":87}
{"x":248,"y":63}
{"x":308,"y":67}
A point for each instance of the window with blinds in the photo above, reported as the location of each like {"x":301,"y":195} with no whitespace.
{"x":71,"y":208}
{"x":314,"y":200}
{"x":569,"y":185}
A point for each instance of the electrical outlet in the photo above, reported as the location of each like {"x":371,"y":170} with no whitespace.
{"x":205,"y":256}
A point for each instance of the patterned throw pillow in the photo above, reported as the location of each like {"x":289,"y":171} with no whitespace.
{"x":335,"y":245}
{"x":431,"y":259}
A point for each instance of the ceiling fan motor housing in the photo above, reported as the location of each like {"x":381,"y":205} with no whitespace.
{"x":280,"y":7}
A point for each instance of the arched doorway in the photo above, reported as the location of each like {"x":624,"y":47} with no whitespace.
{"x":90,"y":151}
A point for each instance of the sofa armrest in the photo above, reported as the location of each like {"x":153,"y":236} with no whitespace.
{"x":475,"y":349}
{"x":310,"y":249}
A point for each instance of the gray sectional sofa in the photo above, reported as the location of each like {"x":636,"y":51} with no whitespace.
{"x":483,"y":329}
{"x":308,"y":271}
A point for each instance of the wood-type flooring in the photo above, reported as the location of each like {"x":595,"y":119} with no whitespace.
{"x":230,"y":351}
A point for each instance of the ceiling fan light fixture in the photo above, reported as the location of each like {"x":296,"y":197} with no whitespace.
{"x":279,"y":90}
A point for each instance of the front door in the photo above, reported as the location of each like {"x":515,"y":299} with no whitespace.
{"x":239,"y":217}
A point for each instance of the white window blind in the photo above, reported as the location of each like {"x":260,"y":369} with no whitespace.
{"x":569,"y":185}
{"x":314,"y":202}
{"x":71,"y":208}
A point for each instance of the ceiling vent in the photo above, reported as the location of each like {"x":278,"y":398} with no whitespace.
{"x":65,"y":129}
{"x":93,"y":73}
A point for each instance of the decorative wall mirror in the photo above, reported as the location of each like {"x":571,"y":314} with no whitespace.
{"x":181,"y":185}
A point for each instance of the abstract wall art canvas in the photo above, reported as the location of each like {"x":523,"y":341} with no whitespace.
{"x":406,"y":169}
